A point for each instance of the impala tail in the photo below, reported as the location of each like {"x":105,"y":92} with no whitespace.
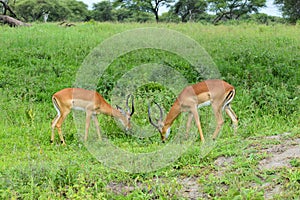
{"x":228,"y":98}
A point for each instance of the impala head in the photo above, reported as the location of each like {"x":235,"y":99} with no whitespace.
{"x":159,"y":125}
{"x":128,"y":113}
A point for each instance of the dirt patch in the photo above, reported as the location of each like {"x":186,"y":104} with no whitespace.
{"x":223,"y":161}
{"x":281,"y":154}
{"x":221,"y":164}
{"x":270,"y":190}
{"x":191,"y":188}
{"x":120,"y":188}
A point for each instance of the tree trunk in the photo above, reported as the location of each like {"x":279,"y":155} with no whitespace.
{"x":11,"y":21}
{"x":5,"y":19}
{"x":6,"y":7}
{"x":156,"y":17}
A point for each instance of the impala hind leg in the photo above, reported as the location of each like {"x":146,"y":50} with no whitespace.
{"x":57,"y":121}
{"x":233,"y":117}
{"x":53,"y":125}
{"x":219,"y":120}
{"x":58,"y":126}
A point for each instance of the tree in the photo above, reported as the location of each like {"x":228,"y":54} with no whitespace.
{"x":154,"y":5}
{"x":170,"y":16}
{"x":33,"y":10}
{"x":5,"y":19}
{"x":79,"y":10}
{"x":189,"y":9}
{"x":102,"y":11}
{"x":150,"y":6}
{"x":290,"y":9}
{"x":262,"y":18}
{"x":128,"y":10}
{"x":55,"y":10}
{"x":234,"y":9}
{"x":6,"y":8}
{"x":122,"y":14}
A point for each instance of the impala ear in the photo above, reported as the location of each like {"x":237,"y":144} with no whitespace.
{"x":120,"y":109}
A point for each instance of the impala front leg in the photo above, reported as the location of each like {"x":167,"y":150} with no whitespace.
{"x":188,"y":123}
{"x":197,"y":120}
{"x":87,"y":124}
{"x":219,"y":120}
{"x":97,"y":126}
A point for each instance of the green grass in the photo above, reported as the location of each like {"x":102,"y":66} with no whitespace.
{"x":262,"y":62}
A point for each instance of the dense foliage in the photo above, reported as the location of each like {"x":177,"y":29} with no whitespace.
{"x":36,"y":10}
{"x":205,"y":11}
{"x":234,"y":9}
{"x":262,"y":62}
{"x":290,"y":9}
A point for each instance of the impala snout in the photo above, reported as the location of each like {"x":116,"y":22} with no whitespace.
{"x":128,"y":128}
{"x":128,"y":125}
{"x":163,"y":139}
{"x":165,"y":134}
{"x":126,"y":115}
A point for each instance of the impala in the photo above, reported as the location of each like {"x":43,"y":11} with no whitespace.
{"x":218,"y":93}
{"x":89,"y":101}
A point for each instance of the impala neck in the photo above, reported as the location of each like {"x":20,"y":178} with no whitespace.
{"x":172,"y":115}
{"x":117,"y":114}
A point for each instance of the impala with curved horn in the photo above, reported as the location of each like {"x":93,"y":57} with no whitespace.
{"x":218,"y":93}
{"x":92,"y":103}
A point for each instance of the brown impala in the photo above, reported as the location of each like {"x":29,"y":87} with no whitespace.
{"x":89,"y":101}
{"x":216,"y":93}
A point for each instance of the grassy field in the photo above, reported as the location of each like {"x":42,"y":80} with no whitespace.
{"x":261,"y":161}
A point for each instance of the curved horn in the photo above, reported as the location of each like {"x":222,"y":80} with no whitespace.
{"x":132,"y":104}
{"x":160,"y":111}
{"x":149,"y":115}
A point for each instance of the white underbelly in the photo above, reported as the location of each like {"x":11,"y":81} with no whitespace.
{"x":206,"y":103}
{"x":78,"y":108}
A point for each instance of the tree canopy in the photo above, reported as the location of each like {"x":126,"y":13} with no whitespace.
{"x":102,"y":11}
{"x":55,"y":10}
{"x":150,"y":6}
{"x":189,"y":10}
{"x":234,"y":9}
{"x":290,"y":9}
{"x":211,"y":11}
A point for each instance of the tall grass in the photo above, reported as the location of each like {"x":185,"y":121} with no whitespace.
{"x":262,"y":62}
